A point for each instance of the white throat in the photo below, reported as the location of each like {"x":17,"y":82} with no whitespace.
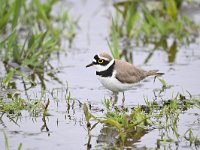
{"x":100,"y":68}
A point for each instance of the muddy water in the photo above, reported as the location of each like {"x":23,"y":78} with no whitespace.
{"x":66,"y":129}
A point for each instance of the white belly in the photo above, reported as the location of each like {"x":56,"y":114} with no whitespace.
{"x":113,"y":84}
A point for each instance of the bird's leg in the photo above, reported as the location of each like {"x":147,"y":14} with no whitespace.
{"x":115,"y":98}
{"x":123,"y":99}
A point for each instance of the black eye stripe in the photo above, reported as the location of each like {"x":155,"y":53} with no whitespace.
{"x":105,"y":62}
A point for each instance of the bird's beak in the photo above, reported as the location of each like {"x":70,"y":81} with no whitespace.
{"x":89,"y":65}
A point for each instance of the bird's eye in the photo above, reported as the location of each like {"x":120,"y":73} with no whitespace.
{"x":100,"y":61}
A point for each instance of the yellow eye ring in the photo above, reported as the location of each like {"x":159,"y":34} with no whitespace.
{"x":100,"y":61}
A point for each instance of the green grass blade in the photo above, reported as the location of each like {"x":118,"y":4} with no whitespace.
{"x":4,"y":15}
{"x":11,"y":42}
{"x":112,"y":122}
{"x":16,"y":12}
{"x":19,"y":147}
{"x":131,"y":19}
{"x":114,"y":48}
{"x":9,"y":76}
{"x":6,"y":142}
{"x":171,"y":8}
{"x":41,"y":13}
{"x":115,"y":41}
{"x":86,"y":113}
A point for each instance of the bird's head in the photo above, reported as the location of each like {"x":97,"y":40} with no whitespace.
{"x":101,"y":61}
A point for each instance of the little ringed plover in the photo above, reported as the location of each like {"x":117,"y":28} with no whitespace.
{"x":117,"y":75}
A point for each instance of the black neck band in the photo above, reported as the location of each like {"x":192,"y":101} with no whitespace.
{"x":106,"y":73}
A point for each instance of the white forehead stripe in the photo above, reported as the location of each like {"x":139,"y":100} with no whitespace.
{"x":103,"y":58}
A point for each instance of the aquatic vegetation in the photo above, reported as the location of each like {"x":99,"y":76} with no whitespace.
{"x":131,"y":123}
{"x":125,"y":123}
{"x":7,"y":144}
{"x":34,"y":53}
{"x":88,"y":117}
{"x":114,"y":46}
{"x":34,"y":50}
{"x":30,"y":35}
{"x":167,"y":120}
{"x":139,"y":23}
{"x":160,"y":20}
{"x":23,"y":15}
{"x":13,"y":104}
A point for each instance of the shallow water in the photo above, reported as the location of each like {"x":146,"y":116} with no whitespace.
{"x":67,"y":130}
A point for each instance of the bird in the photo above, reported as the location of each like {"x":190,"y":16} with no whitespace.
{"x":117,"y":75}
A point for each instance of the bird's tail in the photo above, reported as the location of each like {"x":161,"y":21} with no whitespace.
{"x":154,"y":73}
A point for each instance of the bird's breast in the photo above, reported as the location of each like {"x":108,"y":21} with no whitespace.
{"x":113,"y":84}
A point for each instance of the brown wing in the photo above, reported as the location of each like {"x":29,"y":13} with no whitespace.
{"x":128,"y":73}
